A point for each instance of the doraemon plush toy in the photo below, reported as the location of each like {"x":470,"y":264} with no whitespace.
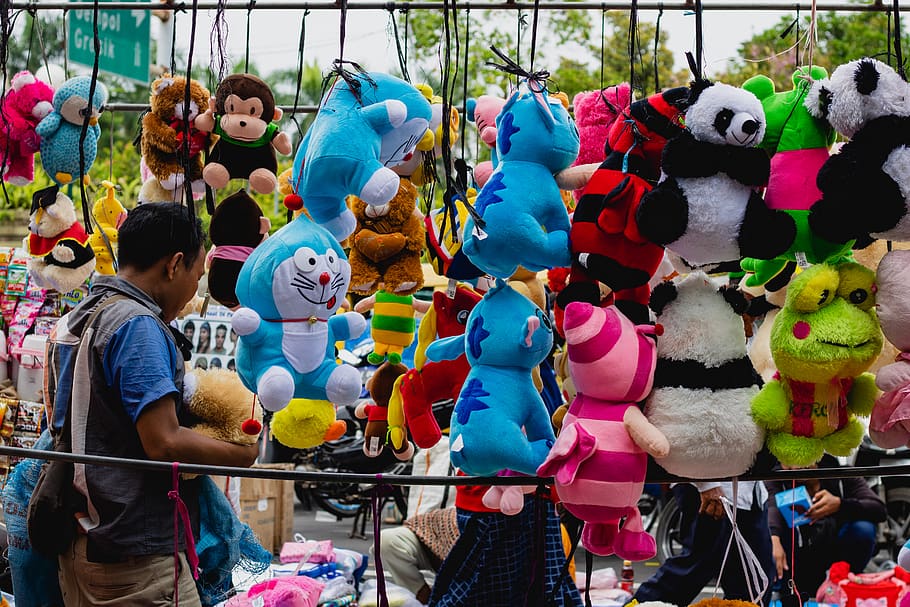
{"x":823,"y":340}
{"x":354,"y":141}
{"x":705,"y":383}
{"x":289,"y":289}
{"x":600,"y":457}
{"x":866,"y":186}
{"x":507,"y":336}
{"x":523,"y":219}
{"x":60,"y":130}
{"x":708,"y":210}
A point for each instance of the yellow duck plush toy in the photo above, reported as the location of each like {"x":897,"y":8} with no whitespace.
{"x":109,"y":214}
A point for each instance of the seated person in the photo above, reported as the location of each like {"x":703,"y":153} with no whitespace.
{"x":844,"y":514}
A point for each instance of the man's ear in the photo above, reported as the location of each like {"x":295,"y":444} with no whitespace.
{"x":170,"y":267}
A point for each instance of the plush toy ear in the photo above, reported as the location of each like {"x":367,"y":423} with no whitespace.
{"x":212,"y":104}
{"x":532,"y":323}
{"x":447,"y":348}
{"x":737,"y":300}
{"x":265,"y":225}
{"x":662,"y":294}
{"x":278,"y":114}
{"x":162,"y":85}
{"x":866,"y":77}
{"x":470,"y":106}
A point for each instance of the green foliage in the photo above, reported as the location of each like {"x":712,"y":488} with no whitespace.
{"x":842,"y":37}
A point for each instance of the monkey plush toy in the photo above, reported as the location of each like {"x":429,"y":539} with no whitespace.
{"x":241,"y":114}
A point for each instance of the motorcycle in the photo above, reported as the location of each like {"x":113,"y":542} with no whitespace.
{"x":894,"y":491}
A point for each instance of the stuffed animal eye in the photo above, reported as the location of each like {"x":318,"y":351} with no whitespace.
{"x":544,"y":320}
{"x":823,"y":298}
{"x":305,"y":259}
{"x":856,"y":285}
{"x":462,"y":317}
{"x":858,"y":296}
{"x":332,"y":260}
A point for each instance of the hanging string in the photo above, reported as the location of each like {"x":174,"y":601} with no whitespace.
{"x":633,"y":42}
{"x":407,"y":36}
{"x":31,"y":36}
{"x":300,"y":46}
{"x":660,"y":13}
{"x":66,"y":65}
{"x":699,"y":39}
{"x":402,"y":53}
{"x":184,"y":152}
{"x":813,"y":36}
{"x":41,"y":45}
{"x":96,"y":43}
{"x":534,"y":20}
{"x":218,"y":45}
{"x":464,"y":82}
{"x":246,"y":59}
{"x":6,"y":32}
{"x":898,"y":51}
{"x":110,"y":158}
{"x":354,"y":79}
{"x":603,"y":38}
{"x":888,"y":37}
{"x":448,"y":199}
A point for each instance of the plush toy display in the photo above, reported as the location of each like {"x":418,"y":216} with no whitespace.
{"x":445,"y":237}
{"x":165,"y":127}
{"x":483,"y":111}
{"x":356,"y":136}
{"x":595,"y":112}
{"x":822,"y":341}
{"x":290,"y":288}
{"x":708,"y":210}
{"x":305,"y":424}
{"x":705,"y":383}
{"x":392,"y":325}
{"x":25,"y":104}
{"x":522,"y":220}
{"x":237,"y":227}
{"x":798,"y":144}
{"x":387,"y":244}
{"x":222,"y":405}
{"x":430,"y":382}
{"x":420,"y":169}
{"x":241,"y":113}
{"x":600,"y":457}
{"x":499,"y":421}
{"x":61,"y":257}
{"x":108,"y":214}
{"x":869,"y":103}
{"x":61,"y":129}
{"x":889,"y":426}
{"x":376,"y":432}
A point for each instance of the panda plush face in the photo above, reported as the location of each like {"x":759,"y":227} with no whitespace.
{"x":725,"y":115}
{"x":858,"y":92}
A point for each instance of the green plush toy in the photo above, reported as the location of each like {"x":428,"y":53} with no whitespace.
{"x":798,"y":144}
{"x":823,"y":340}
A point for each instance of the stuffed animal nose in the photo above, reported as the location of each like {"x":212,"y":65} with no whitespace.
{"x":243,"y":123}
{"x":324,"y":278}
{"x":749,"y":126}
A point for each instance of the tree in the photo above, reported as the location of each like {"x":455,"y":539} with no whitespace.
{"x":842,"y":37}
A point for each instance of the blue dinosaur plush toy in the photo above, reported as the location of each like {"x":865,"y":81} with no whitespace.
{"x":60,"y":130}
{"x":353,"y":142}
{"x":289,"y":289}
{"x":524,"y":220}
{"x":507,"y":336}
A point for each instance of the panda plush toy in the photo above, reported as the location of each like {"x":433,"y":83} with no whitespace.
{"x":707,"y":209}
{"x":866,"y":186}
{"x":704,"y":382}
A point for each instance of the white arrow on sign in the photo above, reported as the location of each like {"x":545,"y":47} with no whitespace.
{"x":139,"y":16}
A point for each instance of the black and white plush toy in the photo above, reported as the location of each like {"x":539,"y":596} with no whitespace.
{"x":707,"y":209}
{"x":704,"y":383}
{"x":866,"y":186}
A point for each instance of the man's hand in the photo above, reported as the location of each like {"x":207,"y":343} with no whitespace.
{"x":824,"y":504}
{"x":711,"y":504}
{"x":780,"y":556}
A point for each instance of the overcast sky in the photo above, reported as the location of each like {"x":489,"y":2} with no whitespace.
{"x":274,"y":36}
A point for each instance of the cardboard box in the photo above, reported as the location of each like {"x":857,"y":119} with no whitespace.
{"x":267,"y":506}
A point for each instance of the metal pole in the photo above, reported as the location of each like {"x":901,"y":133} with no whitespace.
{"x":650,"y":5}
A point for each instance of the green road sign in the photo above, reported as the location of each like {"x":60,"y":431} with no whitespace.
{"x":124,"y":36}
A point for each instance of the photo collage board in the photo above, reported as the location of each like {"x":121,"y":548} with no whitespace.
{"x":214,"y":342}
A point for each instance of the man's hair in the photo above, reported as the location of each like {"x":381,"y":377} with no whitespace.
{"x":153,"y":232}
{"x":221,"y":328}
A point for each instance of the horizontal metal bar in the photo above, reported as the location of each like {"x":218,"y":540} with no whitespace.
{"x":398,"y":479}
{"x":141,"y":107}
{"x":647,"y":5}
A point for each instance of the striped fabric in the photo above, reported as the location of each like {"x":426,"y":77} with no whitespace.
{"x":393,"y":319}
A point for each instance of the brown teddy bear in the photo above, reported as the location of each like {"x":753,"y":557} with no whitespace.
{"x":386,"y":244}
{"x":376,"y":433}
{"x":223,"y":406}
{"x":163,"y":133}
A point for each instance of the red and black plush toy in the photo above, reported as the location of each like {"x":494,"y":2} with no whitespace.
{"x":237,"y":227}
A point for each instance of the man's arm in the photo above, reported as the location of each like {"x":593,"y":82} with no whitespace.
{"x":163,"y":439}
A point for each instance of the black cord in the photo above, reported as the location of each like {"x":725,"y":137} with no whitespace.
{"x":632,"y":43}
{"x":603,"y":39}
{"x":86,"y":215}
{"x":185,"y":147}
{"x":699,"y":38}
{"x":249,"y":12}
{"x":6,"y":32}
{"x":402,"y":54}
{"x":300,"y":46}
{"x":217,"y":45}
{"x":898,"y":51}
{"x":464,"y":81}
{"x":660,"y":13}
{"x":534,"y":20}
{"x":174,"y":44}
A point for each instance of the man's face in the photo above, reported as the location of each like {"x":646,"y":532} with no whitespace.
{"x":189,"y":330}
{"x":219,"y":337}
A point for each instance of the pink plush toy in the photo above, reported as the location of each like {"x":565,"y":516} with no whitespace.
{"x":286,"y":591}
{"x":890,"y":423}
{"x":24,"y":105}
{"x":599,"y":459}
{"x":508,"y":499}
{"x":595,"y":112}
{"x":482,"y":112}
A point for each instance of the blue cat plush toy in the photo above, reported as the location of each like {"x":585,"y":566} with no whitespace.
{"x":289,"y":290}
{"x":352,"y":143}
{"x":507,"y":336}
{"x":525,"y":221}
{"x":60,"y":130}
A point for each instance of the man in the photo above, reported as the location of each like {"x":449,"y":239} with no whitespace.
{"x":220,"y":335}
{"x":704,"y":533}
{"x":844,"y":514}
{"x":120,"y":382}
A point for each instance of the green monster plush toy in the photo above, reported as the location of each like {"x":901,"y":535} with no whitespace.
{"x":822,"y":341}
{"x":798,"y":144}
